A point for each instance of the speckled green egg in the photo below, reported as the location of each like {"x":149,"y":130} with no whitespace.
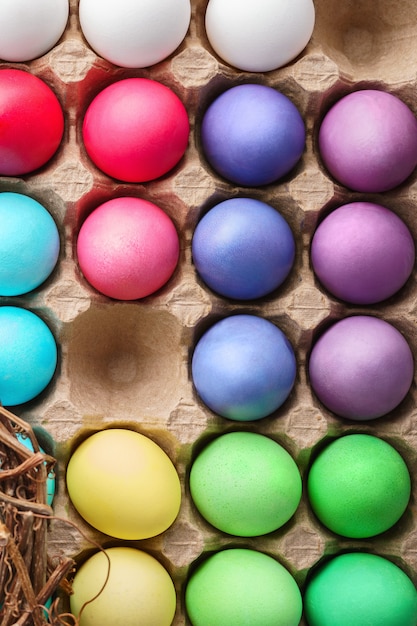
{"x":355,"y":589}
{"x":359,"y":486}
{"x":245,"y":484}
{"x":236,"y":587}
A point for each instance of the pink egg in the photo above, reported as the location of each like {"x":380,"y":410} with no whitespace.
{"x":127,"y":248}
{"x":136,"y":130}
{"x":31,"y":122}
{"x":368,"y":141}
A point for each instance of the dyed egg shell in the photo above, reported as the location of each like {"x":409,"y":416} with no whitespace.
{"x":28,"y":355}
{"x":243,"y":367}
{"x":252,"y":135}
{"x":243,"y":248}
{"x":245,"y":484}
{"x":31,"y":121}
{"x":124,"y":484}
{"x":362,"y":253}
{"x":242,"y":586}
{"x":360,"y":588}
{"x":127,"y":248}
{"x":134,"y":33}
{"x":361,"y":368}
{"x":29,"y":29}
{"x":138,"y":592}
{"x":50,"y":479}
{"x":136,"y":130}
{"x":368,"y":141}
{"x":359,"y":486}
{"x":259,"y":36}
{"x":29,"y":247}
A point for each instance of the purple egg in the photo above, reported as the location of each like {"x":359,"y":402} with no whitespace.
{"x":361,"y":368}
{"x":362,"y":253}
{"x":368,"y":141}
{"x":243,"y":248}
{"x":243,"y":367}
{"x":252,"y":135}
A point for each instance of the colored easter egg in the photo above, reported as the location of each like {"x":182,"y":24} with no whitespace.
{"x":28,"y":355}
{"x":362,"y":253}
{"x":138,"y":592}
{"x":359,"y":486}
{"x":361,"y":368}
{"x":50,"y":479}
{"x":127,"y":248}
{"x":29,"y":29}
{"x":134,"y":33}
{"x":243,"y":248}
{"x":31,"y":121}
{"x":124,"y":484}
{"x":360,"y":588}
{"x":136,"y":130}
{"x":243,"y":367}
{"x":368,"y":141}
{"x":242,"y":586}
{"x":29,"y":247}
{"x":259,"y":36}
{"x":245,"y":484}
{"x":252,"y":135}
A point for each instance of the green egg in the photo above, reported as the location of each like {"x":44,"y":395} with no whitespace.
{"x":359,"y":486}
{"x":242,"y":587}
{"x":355,"y":589}
{"x":245,"y":484}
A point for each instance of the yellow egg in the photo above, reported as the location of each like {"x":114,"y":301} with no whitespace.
{"x":124,"y":484}
{"x":139,"y":590}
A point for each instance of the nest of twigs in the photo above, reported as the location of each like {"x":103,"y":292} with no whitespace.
{"x":28,"y":578}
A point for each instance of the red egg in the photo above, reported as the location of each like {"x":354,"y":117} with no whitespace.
{"x":31,"y":122}
{"x":136,"y":130}
{"x":127,"y":248}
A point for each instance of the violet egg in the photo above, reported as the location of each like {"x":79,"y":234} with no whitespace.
{"x":252,"y":135}
{"x":243,"y":367}
{"x":368,"y":141}
{"x":243,"y":248}
{"x":361,"y":368}
{"x":362,"y":253}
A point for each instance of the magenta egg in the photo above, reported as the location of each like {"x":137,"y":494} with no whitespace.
{"x":362,"y":253}
{"x":368,"y":141}
{"x":127,"y":248}
{"x":361,"y":368}
{"x":136,"y":130}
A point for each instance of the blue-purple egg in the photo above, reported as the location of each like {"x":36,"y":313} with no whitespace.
{"x":243,"y":367}
{"x":243,"y":249}
{"x":252,"y":135}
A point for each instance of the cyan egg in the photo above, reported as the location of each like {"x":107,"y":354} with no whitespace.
{"x":29,"y":246}
{"x":28,"y":355}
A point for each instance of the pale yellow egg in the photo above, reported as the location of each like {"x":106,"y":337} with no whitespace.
{"x":138,"y":592}
{"x":122,"y":483}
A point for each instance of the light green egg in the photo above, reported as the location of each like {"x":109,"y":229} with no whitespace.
{"x":245,"y":484}
{"x":242,"y":587}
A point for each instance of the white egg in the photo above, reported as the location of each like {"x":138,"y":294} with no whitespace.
{"x":134,"y":33}
{"x":30,"y":28}
{"x":259,"y":35}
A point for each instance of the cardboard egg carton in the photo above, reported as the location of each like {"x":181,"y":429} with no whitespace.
{"x":128,"y":363}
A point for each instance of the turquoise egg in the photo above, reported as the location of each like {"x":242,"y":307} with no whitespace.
{"x":29,"y":245}
{"x":28,"y":355}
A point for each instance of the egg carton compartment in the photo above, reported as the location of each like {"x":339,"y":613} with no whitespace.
{"x":127,"y":364}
